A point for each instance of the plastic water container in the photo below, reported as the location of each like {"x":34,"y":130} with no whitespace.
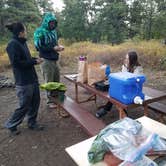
{"x":125,"y":86}
{"x":107,"y":71}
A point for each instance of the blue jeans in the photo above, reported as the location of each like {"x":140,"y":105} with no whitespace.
{"x":29,"y":101}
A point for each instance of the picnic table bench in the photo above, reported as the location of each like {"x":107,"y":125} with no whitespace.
{"x":160,"y":108}
{"x":89,"y":122}
{"x":153,"y":103}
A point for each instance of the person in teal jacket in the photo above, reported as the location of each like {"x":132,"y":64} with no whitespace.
{"x":46,"y":42}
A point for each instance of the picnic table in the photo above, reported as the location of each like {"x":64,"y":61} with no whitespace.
{"x":151,"y":96}
{"x":78,"y":152}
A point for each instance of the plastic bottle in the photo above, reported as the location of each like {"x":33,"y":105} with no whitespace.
{"x":107,"y":71}
{"x":82,"y":58}
{"x":138,"y":100}
{"x":143,"y":148}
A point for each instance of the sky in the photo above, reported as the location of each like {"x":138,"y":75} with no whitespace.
{"x":58,"y":4}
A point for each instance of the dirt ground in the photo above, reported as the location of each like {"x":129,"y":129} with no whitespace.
{"x":47,"y":148}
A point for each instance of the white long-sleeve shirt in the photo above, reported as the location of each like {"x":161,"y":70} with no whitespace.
{"x":137,"y":70}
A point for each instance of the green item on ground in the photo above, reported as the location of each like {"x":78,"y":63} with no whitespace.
{"x":50,"y":86}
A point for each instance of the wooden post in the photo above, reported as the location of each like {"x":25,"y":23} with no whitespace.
{"x":122,"y":113}
{"x":76,"y":92}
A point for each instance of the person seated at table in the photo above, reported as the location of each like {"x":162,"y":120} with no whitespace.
{"x":132,"y":65}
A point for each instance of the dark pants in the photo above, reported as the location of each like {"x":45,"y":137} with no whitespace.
{"x":29,"y":101}
{"x":108,"y":106}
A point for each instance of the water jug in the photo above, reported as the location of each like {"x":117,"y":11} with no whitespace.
{"x":125,"y":86}
{"x":107,"y":71}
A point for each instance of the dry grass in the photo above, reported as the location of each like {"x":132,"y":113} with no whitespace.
{"x":151,"y":53}
{"x":4,"y":60}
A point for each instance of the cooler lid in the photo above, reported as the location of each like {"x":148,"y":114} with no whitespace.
{"x":126,"y":76}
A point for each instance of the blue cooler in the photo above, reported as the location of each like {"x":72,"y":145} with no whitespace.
{"x":125,"y":86}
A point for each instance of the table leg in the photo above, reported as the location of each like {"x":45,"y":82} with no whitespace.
{"x":92,"y":97}
{"x":76,"y":92}
{"x":145,"y":110}
{"x":122,"y":113}
{"x":95,"y":98}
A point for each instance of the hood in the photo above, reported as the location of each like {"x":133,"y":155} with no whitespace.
{"x":47,"y":18}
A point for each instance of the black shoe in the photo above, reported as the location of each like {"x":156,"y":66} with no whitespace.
{"x":101,"y":113}
{"x":14,"y":131}
{"x":36,"y":127}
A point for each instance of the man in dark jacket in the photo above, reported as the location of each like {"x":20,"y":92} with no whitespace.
{"x":26,"y":80}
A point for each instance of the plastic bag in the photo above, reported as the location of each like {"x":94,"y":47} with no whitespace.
{"x":130,"y":142}
{"x":99,"y":146}
{"x":127,"y":140}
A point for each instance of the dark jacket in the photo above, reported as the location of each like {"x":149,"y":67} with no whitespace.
{"x":22,"y":62}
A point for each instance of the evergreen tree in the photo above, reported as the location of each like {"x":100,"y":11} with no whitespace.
{"x":45,"y":5}
{"x":75,"y":20}
{"x":135,"y":18}
{"x":29,"y":12}
{"x":112,"y":17}
{"x":159,"y":28}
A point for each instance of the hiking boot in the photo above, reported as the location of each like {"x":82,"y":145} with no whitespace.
{"x":101,"y":113}
{"x":36,"y":127}
{"x":52,"y":105}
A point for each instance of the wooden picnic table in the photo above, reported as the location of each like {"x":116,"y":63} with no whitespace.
{"x":151,"y":96}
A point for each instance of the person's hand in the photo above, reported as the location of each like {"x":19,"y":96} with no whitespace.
{"x":59,"y":48}
{"x":39,"y":60}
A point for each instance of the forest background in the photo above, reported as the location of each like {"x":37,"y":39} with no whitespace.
{"x":96,"y":28}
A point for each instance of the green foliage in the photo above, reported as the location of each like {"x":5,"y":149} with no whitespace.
{"x":29,"y":12}
{"x":113,"y":21}
{"x":101,"y":21}
{"x":74,"y":20}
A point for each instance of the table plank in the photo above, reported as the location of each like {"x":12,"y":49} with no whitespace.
{"x":153,"y":126}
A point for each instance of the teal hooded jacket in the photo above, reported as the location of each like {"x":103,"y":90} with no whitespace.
{"x":45,"y":38}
